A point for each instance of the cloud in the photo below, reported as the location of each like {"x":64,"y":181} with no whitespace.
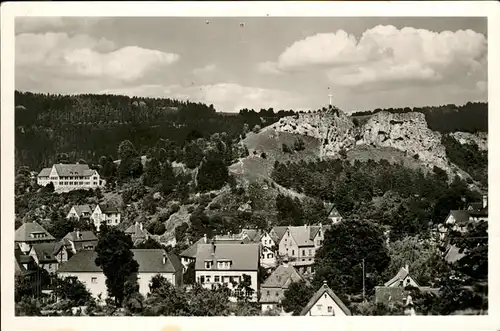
{"x":227,"y":97}
{"x":83,"y":57}
{"x":387,"y":55}
{"x":206,"y":70}
{"x":53,"y":24}
{"x":269,"y":67}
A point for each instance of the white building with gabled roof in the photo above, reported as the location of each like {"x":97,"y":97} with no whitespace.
{"x":68,"y":177}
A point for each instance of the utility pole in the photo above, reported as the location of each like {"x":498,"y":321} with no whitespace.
{"x":363,"y":280}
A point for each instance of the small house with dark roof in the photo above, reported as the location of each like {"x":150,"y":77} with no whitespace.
{"x":219,"y":264}
{"x":402,"y":279}
{"x":325,"y":303}
{"x":188,"y":256}
{"x":273,"y":289}
{"x":31,"y":233}
{"x":68,"y":177}
{"x":48,"y":255}
{"x":151,"y":262}
{"x":26,"y":268}
{"x":79,"y":240}
{"x":80,"y":212}
{"x":105,"y":213}
{"x":333,"y":214}
{"x":138,"y":233}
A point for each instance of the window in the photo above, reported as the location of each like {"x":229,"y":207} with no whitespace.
{"x":202,"y":279}
{"x":325,"y":296}
{"x":93,"y":280}
{"x":268,"y":292}
{"x":293,"y":252}
{"x":216,"y":279}
{"x":208,"y":279}
{"x":309,"y":252}
{"x":304,"y":252}
{"x":330,"y":309}
{"x":320,"y":307}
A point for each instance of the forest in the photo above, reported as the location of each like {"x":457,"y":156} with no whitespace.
{"x":470,"y":117}
{"x":89,"y":126}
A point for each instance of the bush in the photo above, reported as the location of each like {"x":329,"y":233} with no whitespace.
{"x":215,"y":206}
{"x":263,"y":155}
{"x":190,"y":209}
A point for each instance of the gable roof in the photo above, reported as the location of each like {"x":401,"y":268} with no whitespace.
{"x":191,"y":250}
{"x":460,"y":216}
{"x":82,"y":261}
{"x":325,"y":289}
{"x":453,"y":254}
{"x":282,"y":277}
{"x":253,"y":234}
{"x":278,"y":232}
{"x":149,"y":260}
{"x":45,"y":172}
{"x":108,"y":208}
{"x":244,"y":257}
{"x":136,"y":231}
{"x":67,"y":170}
{"x":80,"y":209}
{"x":84,"y":236}
{"x":45,"y":251}
{"x":23,"y":233}
{"x":401,"y":275}
{"x":301,"y":235}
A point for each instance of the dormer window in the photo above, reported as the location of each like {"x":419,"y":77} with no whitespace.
{"x":224,"y":264}
{"x":208,"y":264}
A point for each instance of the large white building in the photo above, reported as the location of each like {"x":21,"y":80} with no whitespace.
{"x":227,"y":264}
{"x":67,"y":177}
{"x":151,"y":263}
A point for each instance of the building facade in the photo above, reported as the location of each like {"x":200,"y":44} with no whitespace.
{"x":325,"y":303}
{"x":67,"y":177}
{"x":29,"y":234}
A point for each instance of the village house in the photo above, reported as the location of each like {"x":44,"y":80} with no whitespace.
{"x":333,"y":214}
{"x":105,"y":213}
{"x":395,"y":290}
{"x":151,"y":262}
{"x":48,"y":255}
{"x":188,"y":256}
{"x":79,"y":240}
{"x":67,"y":177}
{"x":25,"y":268}
{"x":138,"y":233}
{"x":325,"y":303}
{"x":31,"y":233}
{"x":80,"y":212}
{"x":301,"y":242}
{"x":227,"y":264}
{"x":273,"y":289}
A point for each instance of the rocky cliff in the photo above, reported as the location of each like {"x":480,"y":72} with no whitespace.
{"x":407,"y":132}
{"x":480,"y":139}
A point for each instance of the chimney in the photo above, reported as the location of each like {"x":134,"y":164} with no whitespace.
{"x":407,"y":268}
{"x":485,"y":200}
{"x":205,"y":238}
{"x":325,"y":283}
{"x":213,"y":248}
{"x":164,"y":258}
{"x":140,"y":225}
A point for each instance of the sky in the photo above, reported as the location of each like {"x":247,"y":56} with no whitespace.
{"x":251,"y":62}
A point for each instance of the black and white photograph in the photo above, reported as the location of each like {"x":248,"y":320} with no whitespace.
{"x":249,"y":166}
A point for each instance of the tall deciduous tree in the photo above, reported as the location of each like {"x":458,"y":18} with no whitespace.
{"x":115,"y":257}
{"x":296,"y":297}
{"x":346,"y":245}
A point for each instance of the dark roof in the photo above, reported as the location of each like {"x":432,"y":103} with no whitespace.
{"x":325,"y":289}
{"x":460,"y":216}
{"x":45,"y":172}
{"x":82,"y":261}
{"x":282,"y":277}
{"x":45,"y":252}
{"x":191,"y":250}
{"x":84,"y":236}
{"x":80,"y":209}
{"x":253,"y":234}
{"x":136,"y":231}
{"x":24,"y":231}
{"x":108,"y":209}
{"x":67,"y":170}
{"x":244,"y":257}
{"x":401,"y":275}
{"x":277,"y":233}
{"x":149,"y":260}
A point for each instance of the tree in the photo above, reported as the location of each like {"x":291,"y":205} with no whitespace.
{"x":296,"y":297}
{"x":339,"y":259}
{"x":168,"y":179}
{"x":152,"y":172}
{"x":212,"y":175}
{"x":289,"y":210}
{"x":245,"y":287}
{"x":150,"y":243}
{"x":70,"y":288}
{"x":189,"y":276}
{"x":164,"y":299}
{"x":115,"y":257}
{"x":149,"y":204}
{"x":256,"y":128}
{"x":180,"y":232}
{"x":157,"y":228}
{"x":127,"y":150}
{"x":205,"y":302}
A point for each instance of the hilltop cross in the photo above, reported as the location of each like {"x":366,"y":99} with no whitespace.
{"x":330,"y":96}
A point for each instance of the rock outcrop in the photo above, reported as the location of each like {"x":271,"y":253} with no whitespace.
{"x":407,"y":132}
{"x":480,"y":139}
